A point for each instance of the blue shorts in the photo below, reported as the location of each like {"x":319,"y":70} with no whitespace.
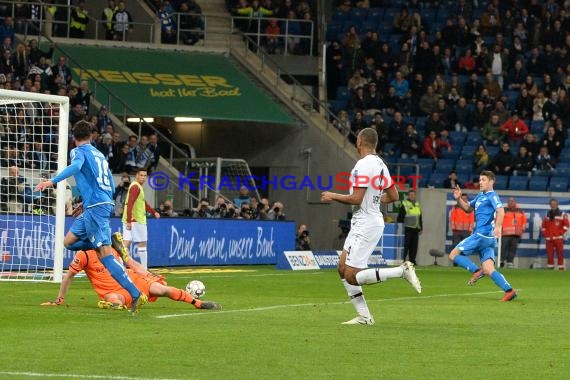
{"x":484,"y":245}
{"x":93,"y":225}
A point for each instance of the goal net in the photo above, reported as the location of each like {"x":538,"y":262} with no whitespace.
{"x":33,"y":146}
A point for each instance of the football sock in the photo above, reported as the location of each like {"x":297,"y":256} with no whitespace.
{"x":356,"y":298}
{"x":118,"y":273}
{"x":465,"y":262}
{"x":373,"y":276}
{"x":500,"y":280}
{"x":143,"y":256}
{"x":182,"y":296}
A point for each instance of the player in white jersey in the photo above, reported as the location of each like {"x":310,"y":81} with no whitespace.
{"x":371,"y":185}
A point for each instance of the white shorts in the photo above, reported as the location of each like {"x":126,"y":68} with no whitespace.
{"x":360,"y":243}
{"x":136,"y":234}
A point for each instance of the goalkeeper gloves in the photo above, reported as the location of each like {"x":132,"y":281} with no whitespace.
{"x":58,"y":301}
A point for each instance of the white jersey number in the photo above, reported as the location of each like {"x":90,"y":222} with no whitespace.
{"x":103,"y":176}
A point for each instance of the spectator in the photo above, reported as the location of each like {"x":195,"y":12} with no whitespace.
{"x":525,"y":104}
{"x":62,"y":69}
{"x":122,"y":23}
{"x":107,"y":16}
{"x":166,"y":209}
{"x":461,"y":223}
{"x":435,"y":123}
{"x":382,"y":129}
{"x":473,"y":88}
{"x":120,"y":195}
{"x":272,"y":38}
{"x":514,"y":225}
{"x":480,"y":159}
{"x":144,"y":154}
{"x":132,"y":143}
{"x":276,"y":212}
{"x":189,"y":23}
{"x":410,"y":214}
{"x":432,"y":146}
{"x":554,"y":226}
{"x":523,"y":163}
{"x":167,"y":24}
{"x":410,"y":145}
{"x":428,"y":102}
{"x":106,"y":146}
{"x":551,"y":109}
{"x":13,"y":188}
{"x":303,"y":241}
{"x":35,"y":52}
{"x":342,"y":123}
{"x":103,"y":119}
{"x":79,"y":20}
{"x":76,"y":114}
{"x":83,"y":97}
{"x":502,"y":163}
{"x":492,"y":86}
{"x":397,"y":128}
{"x":155,"y":149}
{"x":451,"y":182}
{"x":243,"y":197}
{"x":119,"y":162}
{"x":553,"y":142}
{"x":466,"y":64}
{"x":515,"y":129}
{"x":7,"y":30}
{"x":544,"y":163}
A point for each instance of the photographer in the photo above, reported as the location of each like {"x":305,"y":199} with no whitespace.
{"x":12,"y":190}
{"x":276,"y":212}
{"x":303,"y":242}
{"x":166,"y":209}
{"x":245,"y":211}
{"x":121,"y":194}
{"x":203,"y":210}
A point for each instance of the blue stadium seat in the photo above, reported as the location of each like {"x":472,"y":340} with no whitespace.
{"x":340,"y":17}
{"x":538,"y":184}
{"x":375,"y":14}
{"x":358,"y":15}
{"x":537,"y":127}
{"x":564,"y":155}
{"x":457,"y":138}
{"x":501,"y":182}
{"x":474,"y":138}
{"x":518,"y":183}
{"x":333,"y":29}
{"x":342,"y":93}
{"x":464,"y":166}
{"x":559,"y":184}
{"x":443,"y":14}
{"x":454,"y":154}
{"x":426,"y":166}
{"x":444,"y":165}
{"x":436,"y":179}
{"x":389,"y":15}
{"x":493,"y":150}
{"x":369,"y":26}
{"x":563,"y":169}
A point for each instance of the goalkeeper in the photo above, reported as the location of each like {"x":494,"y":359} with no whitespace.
{"x":110,"y":292}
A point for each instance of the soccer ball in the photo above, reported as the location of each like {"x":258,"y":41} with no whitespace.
{"x":196,"y":288}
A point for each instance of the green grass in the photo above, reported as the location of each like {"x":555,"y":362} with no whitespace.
{"x":286,"y":325}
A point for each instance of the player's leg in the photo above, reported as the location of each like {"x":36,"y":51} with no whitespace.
{"x":76,"y":238}
{"x":157,"y":289}
{"x":458,"y":254}
{"x":488,"y":265}
{"x":98,"y":228}
{"x":113,"y":301}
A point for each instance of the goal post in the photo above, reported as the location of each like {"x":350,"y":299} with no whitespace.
{"x":33,"y":139}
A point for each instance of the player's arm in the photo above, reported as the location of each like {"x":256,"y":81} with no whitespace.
{"x":70,"y":170}
{"x":464,"y":205}
{"x":500,"y":215}
{"x":350,"y":199}
{"x":63,"y":288}
{"x":390,"y":195}
{"x":151,"y":210}
{"x":132,"y":196}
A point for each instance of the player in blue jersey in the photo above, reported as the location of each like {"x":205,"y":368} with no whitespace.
{"x":489,"y":214}
{"x":91,"y":230}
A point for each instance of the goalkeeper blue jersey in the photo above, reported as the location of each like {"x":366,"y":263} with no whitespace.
{"x":92,"y":175}
{"x":485,"y":205}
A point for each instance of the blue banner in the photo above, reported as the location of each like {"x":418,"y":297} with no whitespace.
{"x":532,"y":244}
{"x":171,"y":241}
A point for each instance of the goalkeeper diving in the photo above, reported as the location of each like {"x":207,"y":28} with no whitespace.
{"x":111,"y":294}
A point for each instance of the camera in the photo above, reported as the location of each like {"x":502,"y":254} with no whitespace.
{"x":305,"y":233}
{"x":276,"y":209}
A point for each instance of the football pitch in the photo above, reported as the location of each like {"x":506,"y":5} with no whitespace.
{"x":286,"y":325}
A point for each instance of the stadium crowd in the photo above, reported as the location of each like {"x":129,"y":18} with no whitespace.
{"x":472,"y":85}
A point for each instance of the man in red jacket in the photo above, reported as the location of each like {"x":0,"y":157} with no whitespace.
{"x":554,"y":226}
{"x":515,"y":128}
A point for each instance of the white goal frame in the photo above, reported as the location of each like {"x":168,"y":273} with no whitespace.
{"x":9,"y":97}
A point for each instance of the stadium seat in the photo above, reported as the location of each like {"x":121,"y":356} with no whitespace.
{"x":369,"y":25}
{"x":340,"y":17}
{"x":564,"y":155}
{"x":493,"y":150}
{"x":559,"y":184}
{"x":444,"y":166}
{"x":454,"y":154}
{"x":389,"y":15}
{"x":358,"y":15}
{"x":464,"y":166}
{"x":563,"y":169}
{"x":501,"y":182}
{"x":333,"y":29}
{"x":436,"y":179}
{"x":537,"y":127}
{"x":342,"y":93}
{"x":457,"y":138}
{"x":518,"y":183}
{"x":474,"y":138}
{"x":375,"y":14}
{"x":538,"y":184}
{"x":426,"y":165}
